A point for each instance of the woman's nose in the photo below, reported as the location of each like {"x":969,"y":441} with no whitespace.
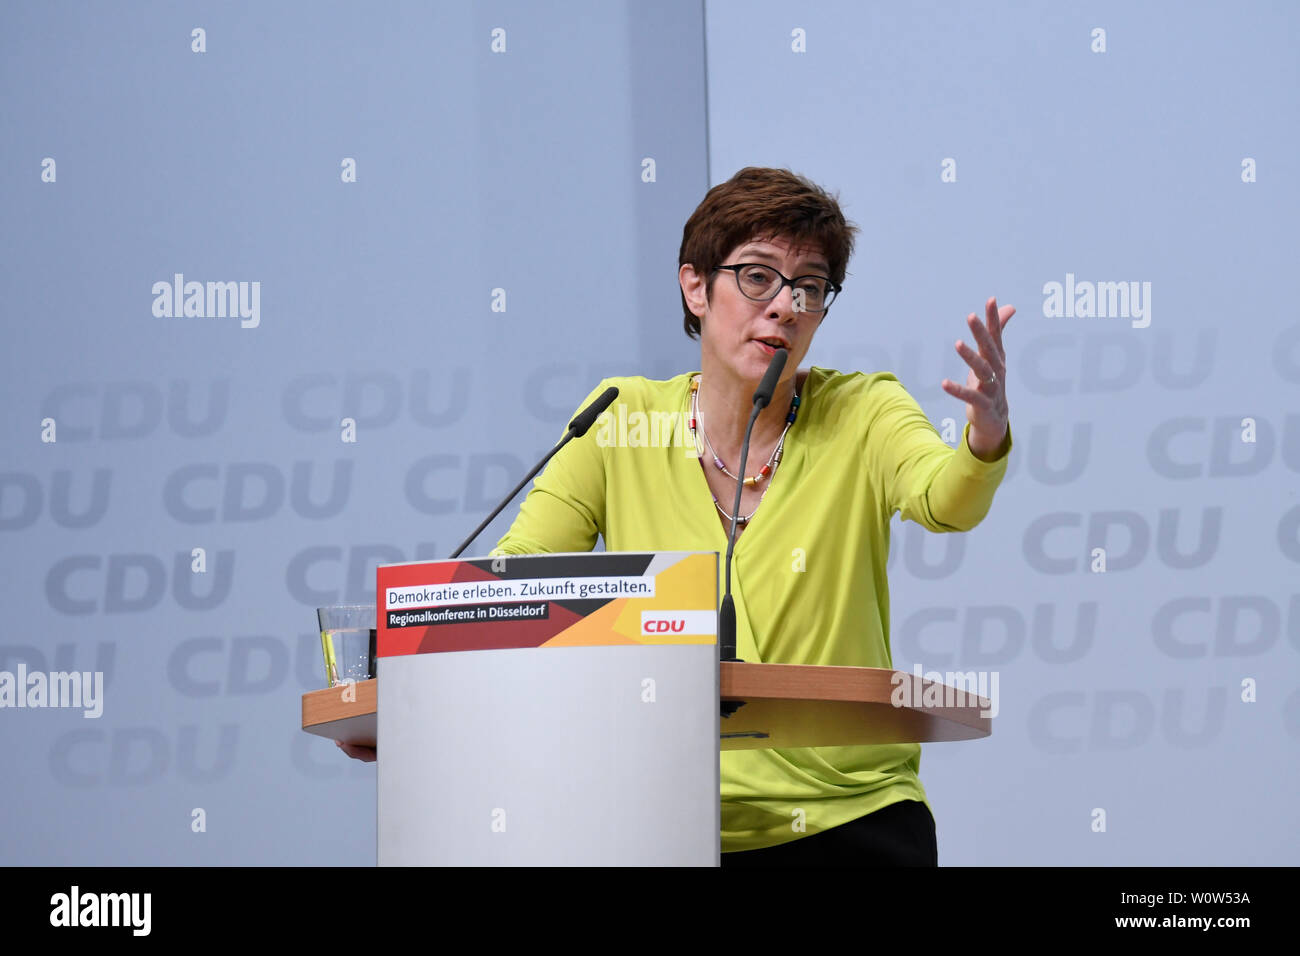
{"x":783,"y":304}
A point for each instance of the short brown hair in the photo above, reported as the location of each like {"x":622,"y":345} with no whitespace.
{"x":761,"y":203}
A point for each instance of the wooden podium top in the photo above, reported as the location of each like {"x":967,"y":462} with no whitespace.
{"x":784,"y":705}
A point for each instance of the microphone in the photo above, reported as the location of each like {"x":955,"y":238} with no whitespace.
{"x":727,"y":613}
{"x":587,"y":417}
{"x":577,"y":428}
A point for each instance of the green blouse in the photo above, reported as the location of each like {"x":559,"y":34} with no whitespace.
{"x":808,"y":574}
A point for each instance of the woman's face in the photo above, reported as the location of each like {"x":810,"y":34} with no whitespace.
{"x":732,"y":325}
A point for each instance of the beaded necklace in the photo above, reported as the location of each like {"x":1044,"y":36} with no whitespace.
{"x":697,"y":429}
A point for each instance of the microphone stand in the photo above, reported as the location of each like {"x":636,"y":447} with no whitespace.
{"x":727,"y":613}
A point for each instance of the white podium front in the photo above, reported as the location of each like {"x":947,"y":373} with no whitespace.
{"x":549,"y":710}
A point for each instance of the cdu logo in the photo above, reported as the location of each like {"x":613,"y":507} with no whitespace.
{"x":318,"y":401}
{"x":72,"y":503}
{"x":1062,"y":542}
{"x":125,"y":411}
{"x":127,"y":583}
{"x":663,"y":625}
{"x":678,"y":623}
{"x":208,"y":492}
{"x":1231,"y":446}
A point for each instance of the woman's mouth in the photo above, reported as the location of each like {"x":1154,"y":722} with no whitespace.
{"x":769,"y":346}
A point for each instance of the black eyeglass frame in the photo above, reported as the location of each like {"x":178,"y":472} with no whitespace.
{"x":735,"y":268}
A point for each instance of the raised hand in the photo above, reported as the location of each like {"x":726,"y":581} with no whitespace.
{"x":985,"y":390}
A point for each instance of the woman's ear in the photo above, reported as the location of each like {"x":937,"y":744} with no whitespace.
{"x":694,"y":290}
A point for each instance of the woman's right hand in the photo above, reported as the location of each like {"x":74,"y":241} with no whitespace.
{"x":358,"y":751}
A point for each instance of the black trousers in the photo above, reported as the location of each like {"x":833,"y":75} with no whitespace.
{"x":901,"y":834}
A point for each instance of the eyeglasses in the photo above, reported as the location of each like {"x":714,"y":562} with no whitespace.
{"x":763,"y":283}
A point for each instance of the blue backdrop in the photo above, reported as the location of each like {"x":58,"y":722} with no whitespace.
{"x":424,"y":232}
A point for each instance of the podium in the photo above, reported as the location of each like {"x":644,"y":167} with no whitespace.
{"x":578,"y":723}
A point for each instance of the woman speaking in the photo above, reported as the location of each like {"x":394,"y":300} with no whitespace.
{"x":832,"y":457}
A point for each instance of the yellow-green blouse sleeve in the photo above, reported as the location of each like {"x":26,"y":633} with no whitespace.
{"x":564,"y":511}
{"x":921,"y":476}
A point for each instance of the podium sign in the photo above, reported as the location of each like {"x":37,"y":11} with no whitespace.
{"x":549,"y":709}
